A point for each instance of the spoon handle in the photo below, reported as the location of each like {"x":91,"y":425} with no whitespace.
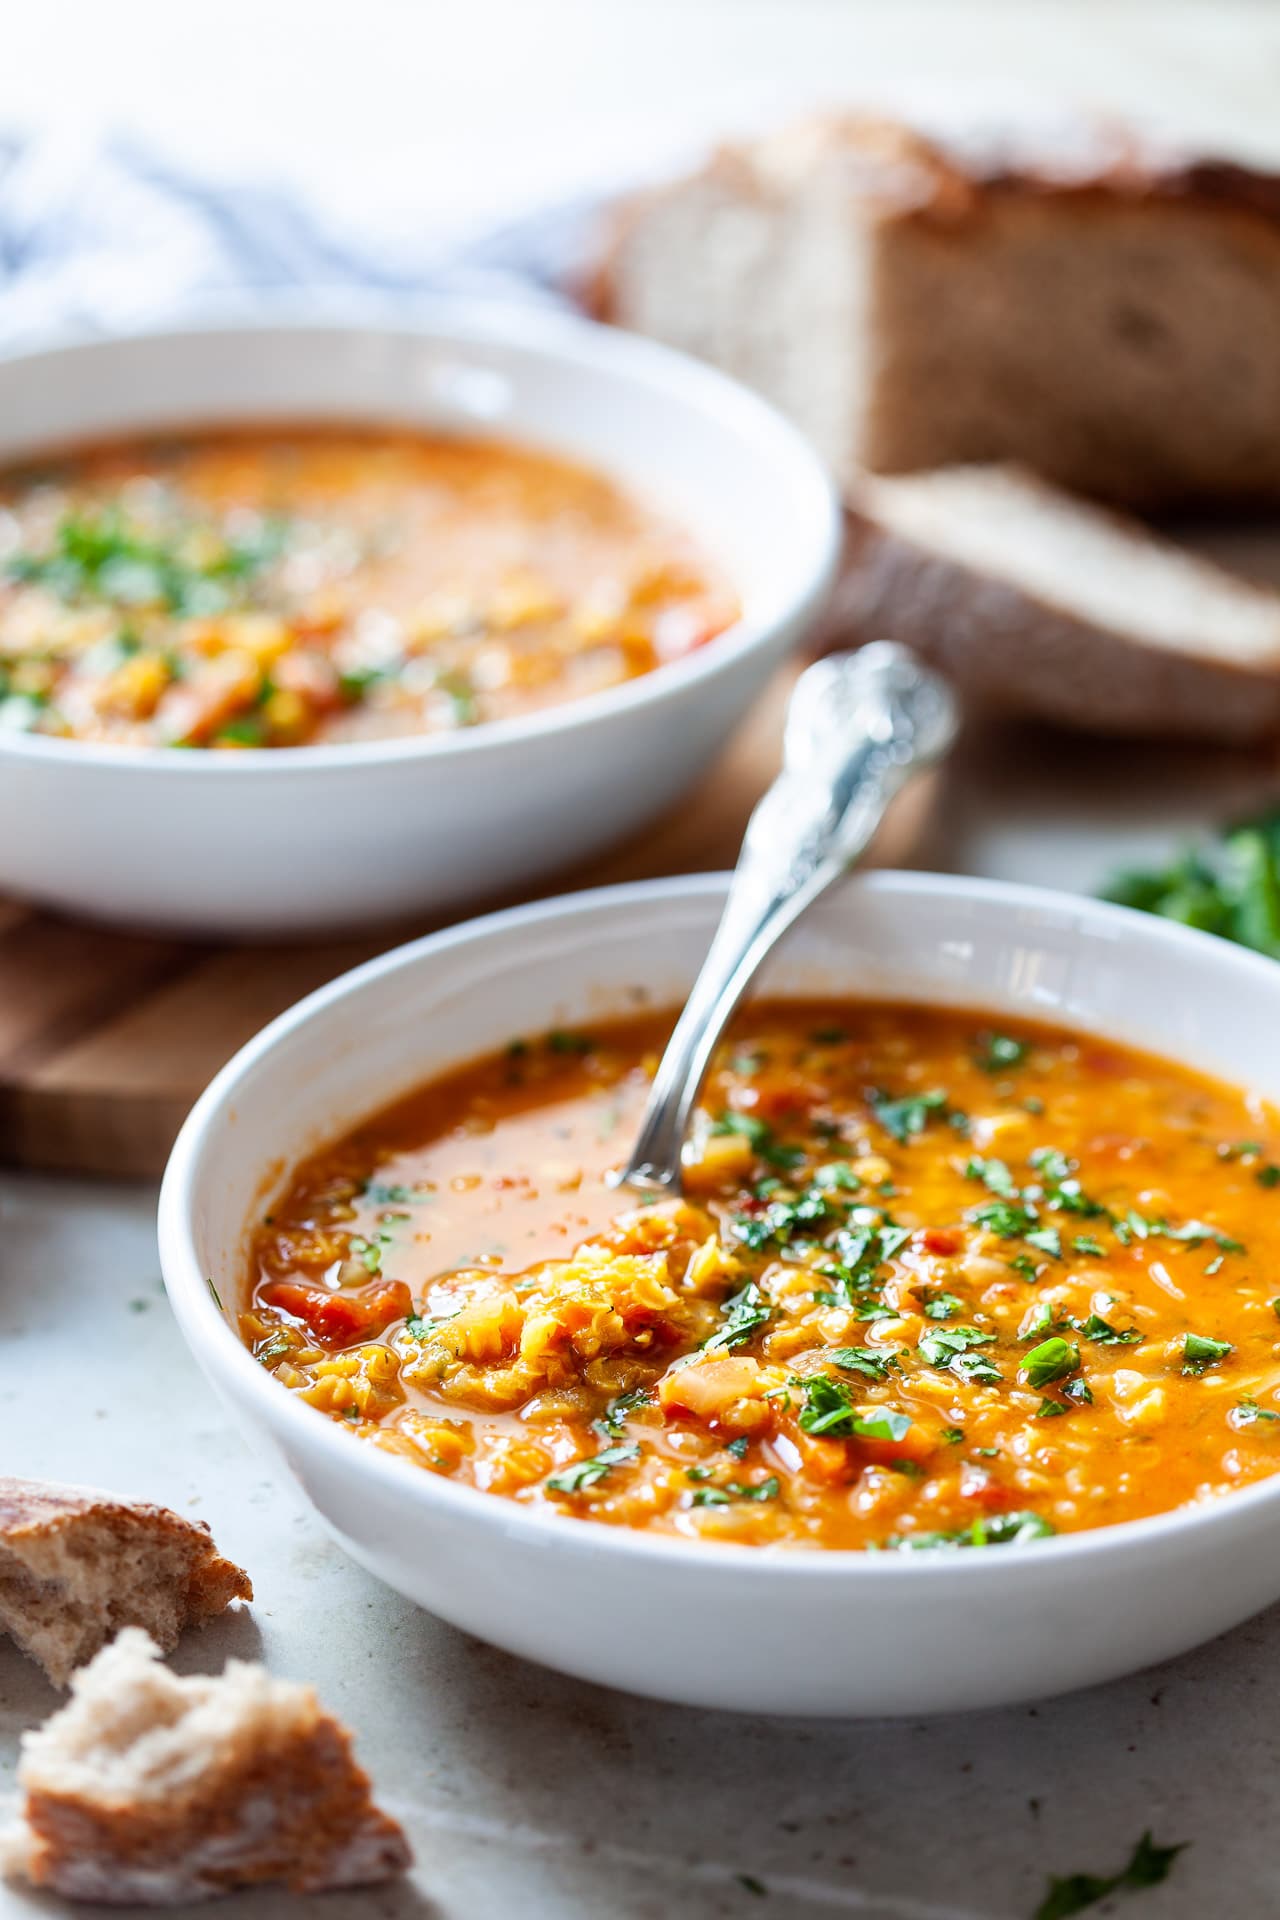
{"x":859,"y":726}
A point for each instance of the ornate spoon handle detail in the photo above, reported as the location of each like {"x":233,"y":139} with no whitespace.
{"x":859,"y":726}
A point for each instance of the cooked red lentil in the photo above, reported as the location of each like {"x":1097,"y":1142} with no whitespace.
{"x":933,"y":1283}
{"x":274,"y":589}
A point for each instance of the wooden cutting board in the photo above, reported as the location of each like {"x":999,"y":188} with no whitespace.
{"x":107,"y":1038}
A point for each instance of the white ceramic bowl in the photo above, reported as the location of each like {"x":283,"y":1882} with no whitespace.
{"x":289,"y":842}
{"x":726,"y":1626}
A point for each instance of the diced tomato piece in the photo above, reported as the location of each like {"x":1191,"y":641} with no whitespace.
{"x":341,"y":1319}
{"x":989,"y":1495}
{"x":943,"y":1241}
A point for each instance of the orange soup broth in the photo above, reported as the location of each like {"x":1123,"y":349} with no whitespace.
{"x":281,"y":587}
{"x":930,"y":1283}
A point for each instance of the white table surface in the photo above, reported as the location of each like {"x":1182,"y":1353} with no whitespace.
{"x":526,"y":1794}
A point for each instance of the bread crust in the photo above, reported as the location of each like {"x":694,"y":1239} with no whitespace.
{"x":273,"y":1796}
{"x":185,"y":1580}
{"x":1094,"y":303}
{"x":913,"y":176}
{"x":1018,"y":651}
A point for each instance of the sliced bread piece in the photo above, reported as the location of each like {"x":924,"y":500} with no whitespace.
{"x":150,"y":1788}
{"x":76,"y":1565}
{"x":1094,"y":305}
{"x":1040,"y":603}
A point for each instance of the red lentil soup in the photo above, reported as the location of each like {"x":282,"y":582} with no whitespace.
{"x":932,"y":1282}
{"x":275,"y":589}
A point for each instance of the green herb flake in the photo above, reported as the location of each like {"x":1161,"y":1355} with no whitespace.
{"x":745,"y":1313}
{"x":1148,"y":1866}
{"x":999,"y":1052}
{"x":1103,"y":1334}
{"x":746,"y":1125}
{"x":585,"y":1473}
{"x":1199,"y":1353}
{"x":907,"y":1117}
{"x":829,"y":1409}
{"x":1248,"y":1413}
{"x":994,"y":1175}
{"x":953,"y":1348}
{"x":561,"y":1042}
{"x":993,"y":1530}
{"x":1053,"y":1359}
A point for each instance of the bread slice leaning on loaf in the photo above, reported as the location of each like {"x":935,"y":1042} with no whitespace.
{"x":76,"y":1565}
{"x":1092,"y":305}
{"x":1039,"y":603}
{"x":158,"y":1790}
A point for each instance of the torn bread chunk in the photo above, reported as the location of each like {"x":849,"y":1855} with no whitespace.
{"x":1039,"y":603}
{"x":76,"y":1565}
{"x":158,"y":1790}
{"x":1082,"y":299}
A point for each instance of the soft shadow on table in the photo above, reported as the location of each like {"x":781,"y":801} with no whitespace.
{"x":829,"y":1813}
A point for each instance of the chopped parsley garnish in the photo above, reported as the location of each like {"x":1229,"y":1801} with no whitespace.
{"x":1053,"y":1359}
{"x":745,"y":1313}
{"x":561,"y":1042}
{"x":937,"y":1304}
{"x":1199,"y":1353}
{"x":101,"y":557}
{"x":1085,"y":1243}
{"x":1248,"y":1412}
{"x":585,"y":1473}
{"x":952,"y":1347}
{"x":781,"y":1218}
{"x":904,"y":1119}
{"x":748,"y":1125}
{"x":999,"y":1052}
{"x":1006,"y":1218}
{"x":874,"y":1363}
{"x":829,"y":1409}
{"x":994,"y":1175}
{"x":1147,"y":1866}
{"x":737,"y":1490}
{"x":992,"y":1530}
{"x":610,"y":1425}
{"x":1104,"y":1334}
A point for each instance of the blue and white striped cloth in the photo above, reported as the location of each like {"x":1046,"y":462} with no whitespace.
{"x":113,"y":236}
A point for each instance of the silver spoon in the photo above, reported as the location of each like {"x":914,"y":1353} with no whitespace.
{"x":859,"y":727}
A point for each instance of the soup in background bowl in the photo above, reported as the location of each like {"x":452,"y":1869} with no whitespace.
{"x":999,"y":1608}
{"x":295,"y":586}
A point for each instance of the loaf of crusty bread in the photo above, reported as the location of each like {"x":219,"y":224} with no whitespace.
{"x":1100,"y":310}
{"x":150,"y":1788}
{"x":76,"y":1565}
{"x":1035,"y":601}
